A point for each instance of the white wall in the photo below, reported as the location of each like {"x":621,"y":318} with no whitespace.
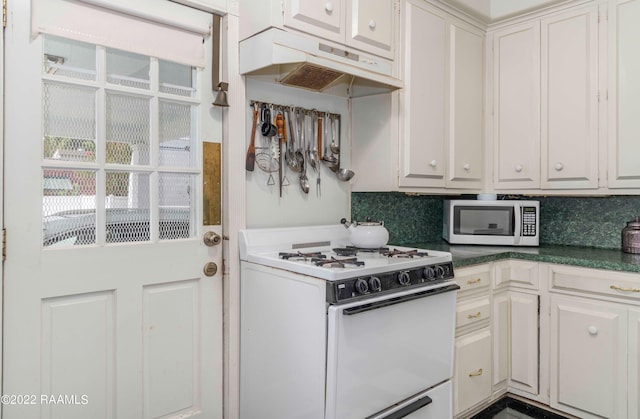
{"x":264,"y":206}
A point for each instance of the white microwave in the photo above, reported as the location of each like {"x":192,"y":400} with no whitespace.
{"x":501,"y":223}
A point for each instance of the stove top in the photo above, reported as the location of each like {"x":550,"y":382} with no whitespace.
{"x":325,"y":252}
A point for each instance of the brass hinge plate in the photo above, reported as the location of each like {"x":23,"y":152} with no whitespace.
{"x":4,"y":13}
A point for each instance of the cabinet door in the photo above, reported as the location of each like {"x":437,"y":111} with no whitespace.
{"x":371,"y":26}
{"x":500,"y":332}
{"x":624,"y":94}
{"x":524,"y":342}
{"x":516,"y":121}
{"x":588,"y":357}
{"x":466,"y":156}
{"x":423,"y":101}
{"x":321,"y":18}
{"x":569,"y":111}
{"x":472,"y":370}
{"x":634,"y":364}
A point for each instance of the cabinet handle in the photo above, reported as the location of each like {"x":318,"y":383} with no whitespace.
{"x":617,"y":288}
{"x":474,"y":281}
{"x":476,"y":373}
{"x":592,"y":330}
{"x":519,"y":168}
{"x":466,"y":167}
{"x":558,"y":167}
{"x":372,"y":24}
{"x":328,"y":7}
{"x":433,"y":163}
{"x":474,"y":316}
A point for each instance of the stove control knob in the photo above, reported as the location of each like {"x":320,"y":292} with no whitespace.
{"x":404,"y":278}
{"x":375,"y":284}
{"x":361,"y":286}
{"x":429,"y":273}
{"x":439,"y":271}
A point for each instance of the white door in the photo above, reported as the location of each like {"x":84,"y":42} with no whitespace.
{"x":107,"y":312}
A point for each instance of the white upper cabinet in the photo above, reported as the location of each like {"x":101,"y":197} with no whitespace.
{"x":516,"y":95}
{"x":441,"y":108}
{"x":370,"y":25}
{"x":545,"y":121}
{"x":624,"y":94}
{"x":322,"y":18}
{"x":569,"y":111}
{"x":366,"y":25}
{"x":466,"y":96}
{"x":423,"y":102}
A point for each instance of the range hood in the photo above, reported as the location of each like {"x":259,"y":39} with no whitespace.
{"x":298,"y":61}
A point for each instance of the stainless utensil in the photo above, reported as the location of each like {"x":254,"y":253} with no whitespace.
{"x":304,"y":180}
{"x":318,"y":154}
{"x":329,"y":159}
{"x":343,"y":174}
{"x":290,"y":155}
{"x":299,"y":154}
{"x":313,"y":153}
{"x":335,"y":148}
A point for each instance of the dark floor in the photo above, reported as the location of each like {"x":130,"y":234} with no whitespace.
{"x":508,"y":408}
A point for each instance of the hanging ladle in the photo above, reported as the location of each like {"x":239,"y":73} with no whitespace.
{"x":343,"y":174}
{"x":335,"y":148}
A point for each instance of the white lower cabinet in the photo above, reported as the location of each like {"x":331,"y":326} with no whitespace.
{"x":472,"y":366}
{"x":588,"y":357}
{"x":516,"y":327}
{"x":563,"y":336}
{"x":594,"y":342}
{"x":472,"y":372}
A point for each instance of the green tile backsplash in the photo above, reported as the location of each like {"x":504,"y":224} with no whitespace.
{"x":573,"y":221}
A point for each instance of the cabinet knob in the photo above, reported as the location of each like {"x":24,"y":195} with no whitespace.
{"x":466,"y":167}
{"x":592,"y":330}
{"x":519,"y":168}
{"x":372,"y":24}
{"x":558,"y":166}
{"x":328,"y":7}
{"x":433,"y":163}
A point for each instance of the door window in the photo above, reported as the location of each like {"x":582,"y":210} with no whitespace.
{"x":119,"y":162}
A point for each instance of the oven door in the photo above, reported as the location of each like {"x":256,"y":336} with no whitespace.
{"x":388,"y":350}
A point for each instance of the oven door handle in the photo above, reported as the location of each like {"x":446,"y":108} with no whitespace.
{"x":408,"y":409}
{"x":397,"y":300}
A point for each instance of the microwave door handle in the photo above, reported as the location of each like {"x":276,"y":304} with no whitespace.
{"x":517,"y":228}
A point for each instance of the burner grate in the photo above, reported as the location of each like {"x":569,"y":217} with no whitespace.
{"x":301,"y":256}
{"x":338,"y":263}
{"x":404,"y":253}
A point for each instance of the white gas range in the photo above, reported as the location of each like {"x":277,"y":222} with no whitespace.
{"x":329,"y":331}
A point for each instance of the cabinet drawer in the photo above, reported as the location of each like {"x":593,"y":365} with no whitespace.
{"x":472,"y":371}
{"x":516,"y":273}
{"x":584,"y":280}
{"x":474,"y":311}
{"x":474,"y":277}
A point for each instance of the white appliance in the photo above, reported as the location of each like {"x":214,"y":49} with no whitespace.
{"x":333,"y":332}
{"x":304,"y":61}
{"x":505,"y":222}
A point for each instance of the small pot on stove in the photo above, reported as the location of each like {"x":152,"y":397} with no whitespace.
{"x":631,"y":236}
{"x":367,"y":234}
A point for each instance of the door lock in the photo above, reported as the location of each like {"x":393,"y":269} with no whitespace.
{"x":210,"y":269}
{"x":211,"y":238}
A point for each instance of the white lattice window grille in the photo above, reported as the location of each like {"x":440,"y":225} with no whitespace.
{"x":120,"y":161}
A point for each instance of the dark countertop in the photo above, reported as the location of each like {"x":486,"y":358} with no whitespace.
{"x":466,"y":255}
